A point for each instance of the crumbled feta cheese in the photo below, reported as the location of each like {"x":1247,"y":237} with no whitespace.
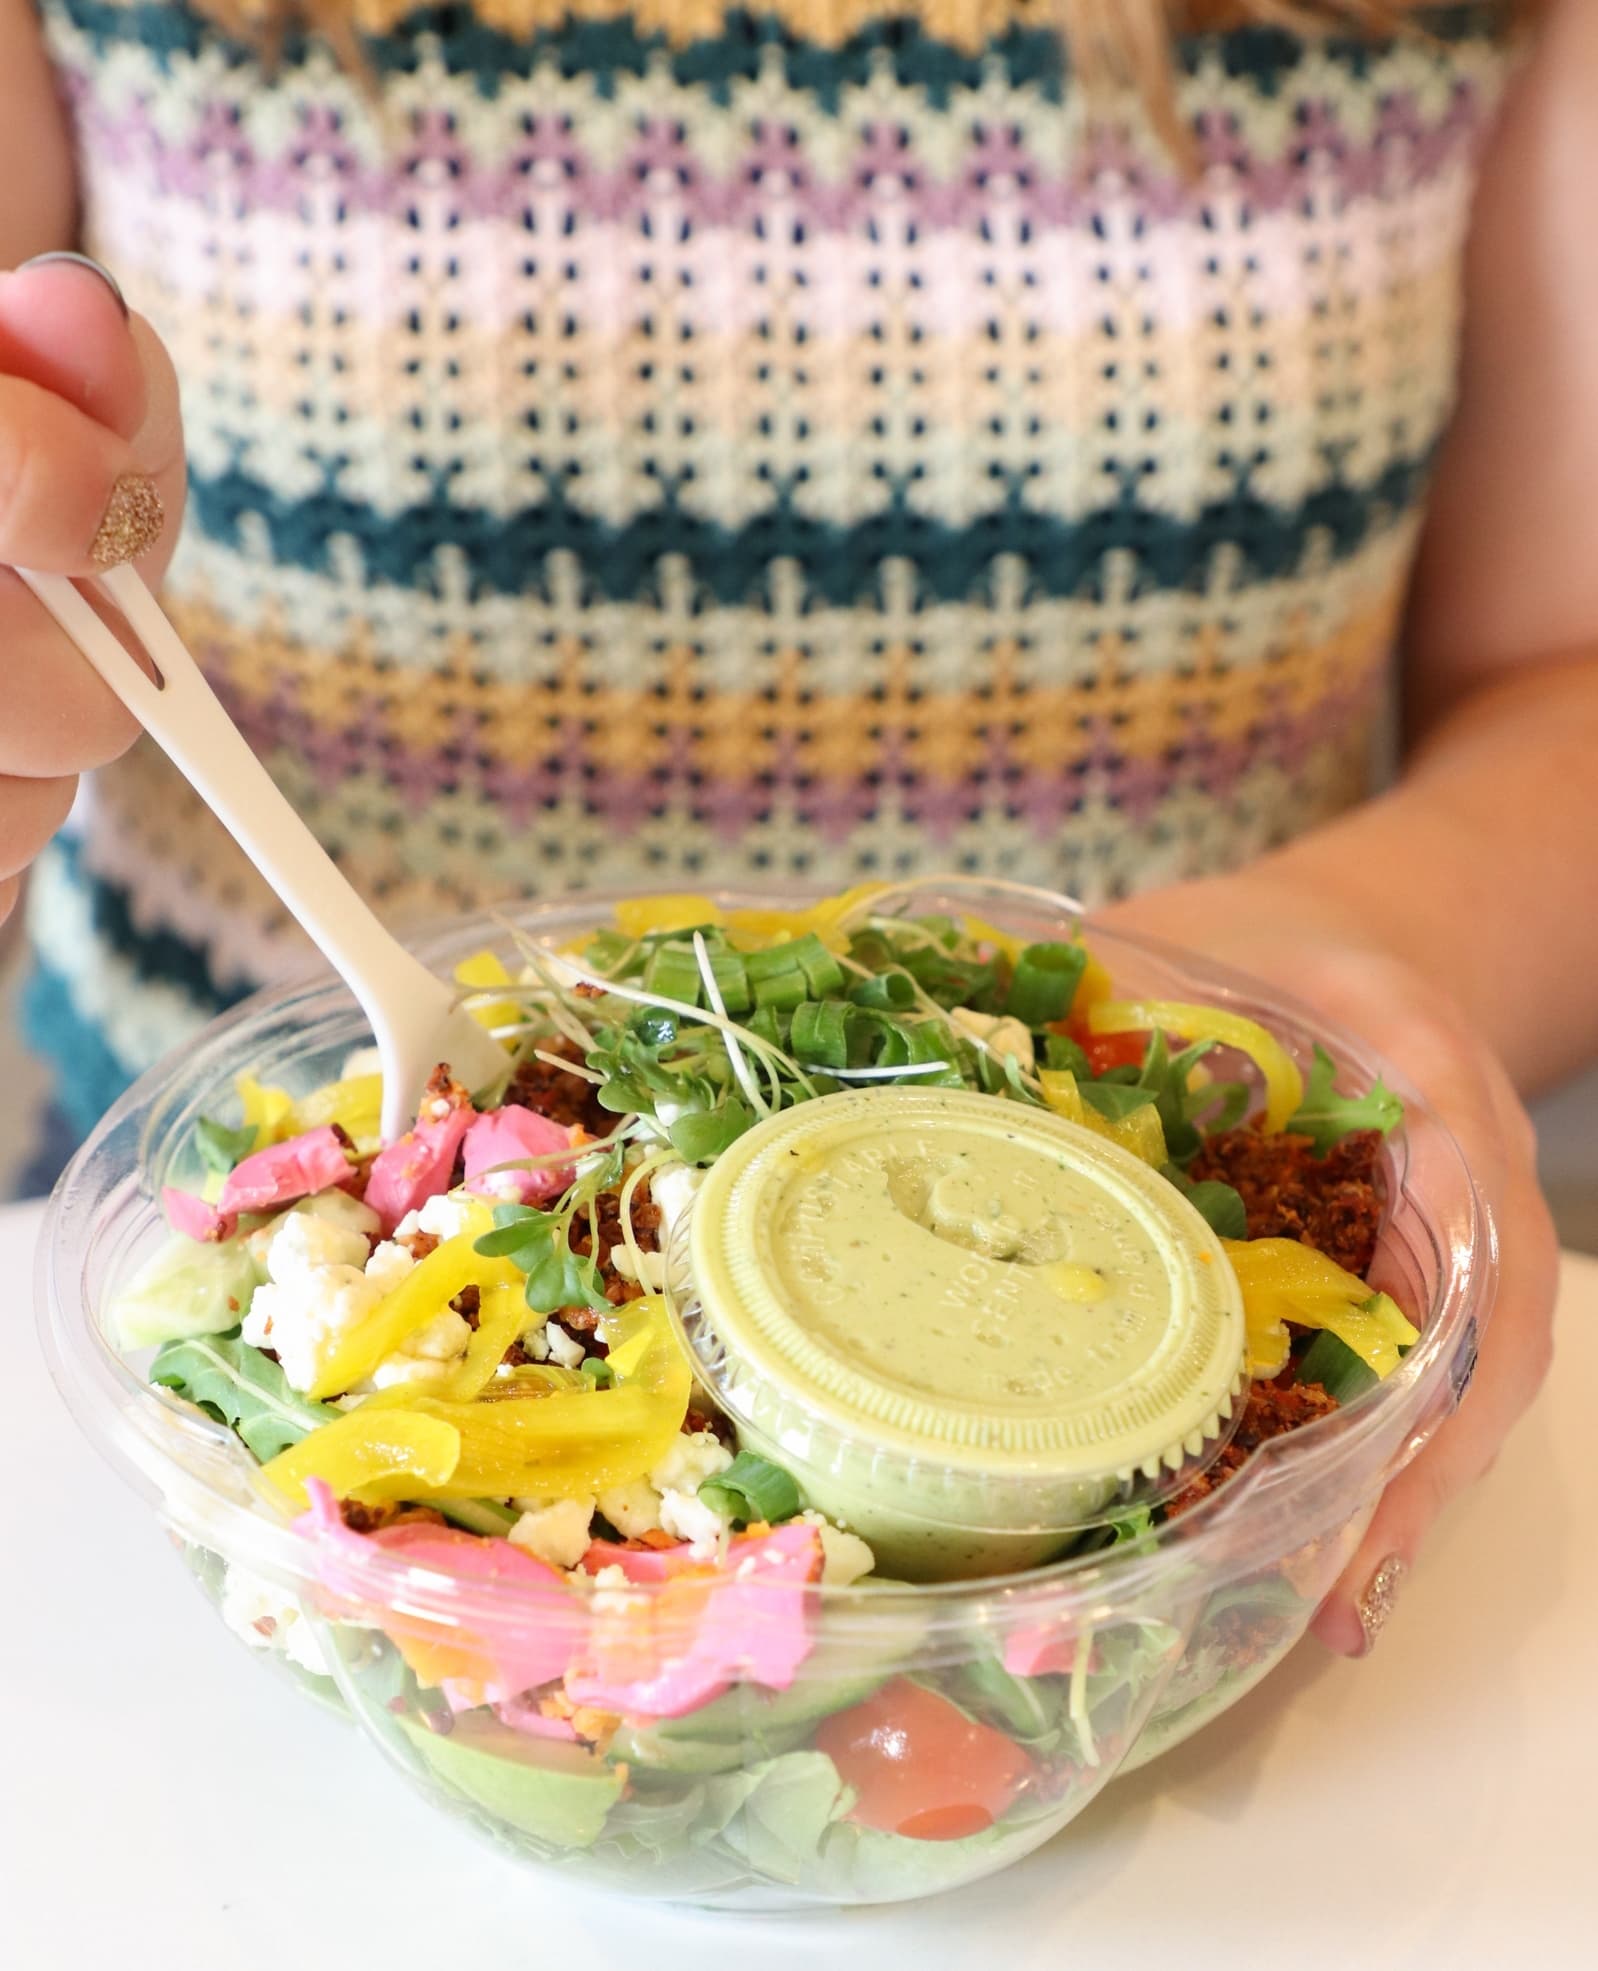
{"x":633,"y":1509}
{"x":335,"y":1211}
{"x":307,"y":1240}
{"x":500,"y":1186}
{"x":311,"y":1296}
{"x":672,"y":1189}
{"x":614,"y":1594}
{"x":687,"y":1517}
{"x":653,"y":1276}
{"x":428,"y":1355}
{"x":388,"y":1265}
{"x":361,"y":1061}
{"x":691,"y":1460}
{"x":557,"y":1532}
{"x":844,"y":1556}
{"x":998,"y":1031}
{"x":694,"y":1456}
{"x":264,"y":1618}
{"x":445,"y":1217}
{"x":562,"y":1347}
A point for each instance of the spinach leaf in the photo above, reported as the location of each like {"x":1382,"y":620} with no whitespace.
{"x":1113,"y":1099}
{"x":1218,"y":1204}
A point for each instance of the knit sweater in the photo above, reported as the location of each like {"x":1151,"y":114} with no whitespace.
{"x":674,"y":444}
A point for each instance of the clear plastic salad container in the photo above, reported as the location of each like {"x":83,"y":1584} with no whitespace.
{"x":1034,"y":1689}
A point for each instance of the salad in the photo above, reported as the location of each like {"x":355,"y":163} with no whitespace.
{"x":464,"y":1352}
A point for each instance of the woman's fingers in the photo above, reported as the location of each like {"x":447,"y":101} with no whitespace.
{"x":64,"y":327}
{"x":91,"y":473}
{"x":59,"y":718}
{"x":1514,"y":1357}
{"x":73,"y":497}
{"x":30,"y":813}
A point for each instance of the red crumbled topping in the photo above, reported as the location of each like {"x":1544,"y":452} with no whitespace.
{"x":1272,"y":1409}
{"x":1330,"y":1202}
{"x":564,"y":1098}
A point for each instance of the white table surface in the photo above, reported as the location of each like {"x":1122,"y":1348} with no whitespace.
{"x":164,"y":1803}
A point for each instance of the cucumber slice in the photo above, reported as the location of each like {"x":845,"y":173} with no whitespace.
{"x":184,"y":1291}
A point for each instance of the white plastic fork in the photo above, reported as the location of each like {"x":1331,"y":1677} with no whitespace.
{"x":415,"y":1017}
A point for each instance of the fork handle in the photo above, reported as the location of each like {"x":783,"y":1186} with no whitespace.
{"x":185,"y":717}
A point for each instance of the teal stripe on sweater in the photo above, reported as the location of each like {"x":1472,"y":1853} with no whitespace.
{"x":842,"y":565}
{"x":614,"y":49}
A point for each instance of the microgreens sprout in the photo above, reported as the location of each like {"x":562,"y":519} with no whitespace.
{"x":735,"y":1053}
{"x":577,"y":1068}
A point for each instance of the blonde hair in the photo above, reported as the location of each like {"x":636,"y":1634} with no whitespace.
{"x":1117,"y":47}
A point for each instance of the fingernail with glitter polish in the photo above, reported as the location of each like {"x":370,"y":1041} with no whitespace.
{"x":1380,"y":1597}
{"x":131,"y":524}
{"x":89,"y":266}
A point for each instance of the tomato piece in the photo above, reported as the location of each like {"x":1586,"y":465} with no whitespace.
{"x":919,"y":1767}
{"x":1105,"y":1050}
{"x":1115,"y":1050}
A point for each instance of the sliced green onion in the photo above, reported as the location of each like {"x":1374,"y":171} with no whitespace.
{"x":751,"y":1488}
{"x":782,"y":991}
{"x":727,"y":968}
{"x":819,"y":1035}
{"x":673,"y":972}
{"x":891,"y":992}
{"x":1045,"y":983}
{"x":763,"y":1024}
{"x":823,"y":973}
{"x":606,"y":950}
{"x":599,"y":1371}
{"x":772,"y":962}
{"x":1333,"y":1364}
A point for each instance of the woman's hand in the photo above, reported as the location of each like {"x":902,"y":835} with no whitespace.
{"x":91,"y":475}
{"x":1260,"y":925}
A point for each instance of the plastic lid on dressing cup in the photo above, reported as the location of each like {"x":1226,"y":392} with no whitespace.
{"x":967,"y":1325}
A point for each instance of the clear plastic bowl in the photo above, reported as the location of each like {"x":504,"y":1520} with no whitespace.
{"x":734,"y":1805}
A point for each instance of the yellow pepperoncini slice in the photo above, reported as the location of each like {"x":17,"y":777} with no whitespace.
{"x":1093,"y":986}
{"x":370,"y":1455}
{"x":268,"y":1111}
{"x":643,"y":917}
{"x":422,"y":1295}
{"x":502,"y":1314}
{"x":356,"y":1105}
{"x":480,"y":973}
{"x":1141,"y":1132}
{"x":827,"y":920}
{"x":1284,"y":1085}
{"x":1003,"y":942}
{"x":1284,"y":1281}
{"x":573,"y":1441}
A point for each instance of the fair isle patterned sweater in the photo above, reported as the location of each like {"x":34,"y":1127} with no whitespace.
{"x":676,"y":443}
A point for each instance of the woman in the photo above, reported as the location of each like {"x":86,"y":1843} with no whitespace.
{"x":818,"y":442}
